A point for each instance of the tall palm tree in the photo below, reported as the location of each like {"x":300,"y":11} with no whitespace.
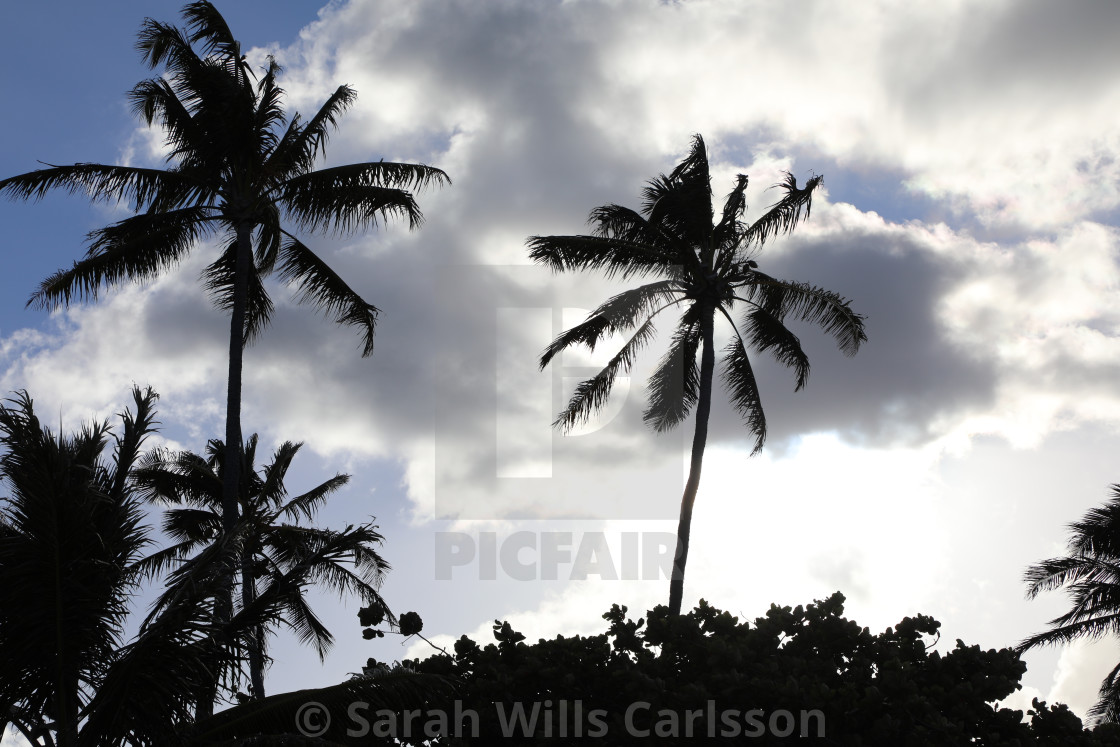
{"x":705,"y":269}
{"x":278,"y":556}
{"x":1090,"y":573}
{"x":238,"y":169}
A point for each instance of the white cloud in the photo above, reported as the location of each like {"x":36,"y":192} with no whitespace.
{"x":990,"y":294}
{"x":1081,"y":668}
{"x":12,"y":739}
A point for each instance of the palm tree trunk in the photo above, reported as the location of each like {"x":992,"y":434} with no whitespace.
{"x":256,"y":636}
{"x":699,"y":440}
{"x":66,"y":700}
{"x":231,"y":467}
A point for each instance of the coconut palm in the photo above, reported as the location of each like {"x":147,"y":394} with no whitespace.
{"x":279,"y":556}
{"x":704,"y":269}
{"x":241,"y":171}
{"x":71,"y":541}
{"x":1090,"y":573}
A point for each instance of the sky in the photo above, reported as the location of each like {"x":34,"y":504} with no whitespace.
{"x":969,"y":209}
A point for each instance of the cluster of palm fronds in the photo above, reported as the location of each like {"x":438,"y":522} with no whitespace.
{"x":73,"y":548}
{"x":1090,"y":573}
{"x":240,"y":171}
{"x":705,"y":269}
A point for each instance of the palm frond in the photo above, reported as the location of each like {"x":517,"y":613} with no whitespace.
{"x":783,"y":215}
{"x":681,"y":203}
{"x":136,"y":428}
{"x":1107,"y":708}
{"x":309,"y":629}
{"x":220,"y":280}
{"x":138,"y":187}
{"x":738,"y":374}
{"x":307,"y":503}
{"x":684,"y":211}
{"x":618,"y":314}
{"x":207,"y":28}
{"x":1067,"y":571}
{"x":1061,"y":634}
{"x":1098,"y":533}
{"x":610,"y":255}
{"x":135,"y":249}
{"x":767,"y":333}
{"x":694,"y":167}
{"x":322,"y":288}
{"x":735,"y":204}
{"x":673,"y":386}
{"x":270,"y":109}
{"x":807,"y":303}
{"x":625,"y":224}
{"x":162,"y":561}
{"x":160,"y":43}
{"x":271,"y":491}
{"x":194,"y":525}
{"x":167,"y":477}
{"x":343,"y":199}
{"x":301,"y":145}
{"x":155,"y":101}
{"x":269,"y":241}
{"x":591,"y":395}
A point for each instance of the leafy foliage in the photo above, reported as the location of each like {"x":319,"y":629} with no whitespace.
{"x":889,"y":688}
{"x":237,"y":166}
{"x":72,"y":543}
{"x":1090,"y":573}
{"x":279,"y":554}
{"x":239,"y":170}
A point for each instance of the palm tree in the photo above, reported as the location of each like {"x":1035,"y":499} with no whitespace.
{"x":278,"y":557}
{"x":71,"y":540}
{"x":237,"y":165}
{"x":1090,"y":572}
{"x":705,"y":270}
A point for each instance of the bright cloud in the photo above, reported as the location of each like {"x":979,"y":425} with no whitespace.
{"x":969,"y":153}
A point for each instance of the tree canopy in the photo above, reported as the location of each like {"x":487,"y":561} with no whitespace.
{"x":807,"y":668}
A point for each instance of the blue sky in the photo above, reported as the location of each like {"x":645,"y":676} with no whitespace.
{"x":971,"y":194}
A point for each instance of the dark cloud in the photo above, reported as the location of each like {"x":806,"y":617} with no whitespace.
{"x":905,"y":380}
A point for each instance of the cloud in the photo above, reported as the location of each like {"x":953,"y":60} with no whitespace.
{"x":964,"y":333}
{"x":1081,"y":668}
{"x":973,"y":189}
{"x":10,"y":738}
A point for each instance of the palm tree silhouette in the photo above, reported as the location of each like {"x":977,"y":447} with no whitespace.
{"x":72,"y":543}
{"x":237,"y":166}
{"x":705,"y":269}
{"x":1090,"y":573}
{"x":71,"y":538}
{"x":279,"y":558}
